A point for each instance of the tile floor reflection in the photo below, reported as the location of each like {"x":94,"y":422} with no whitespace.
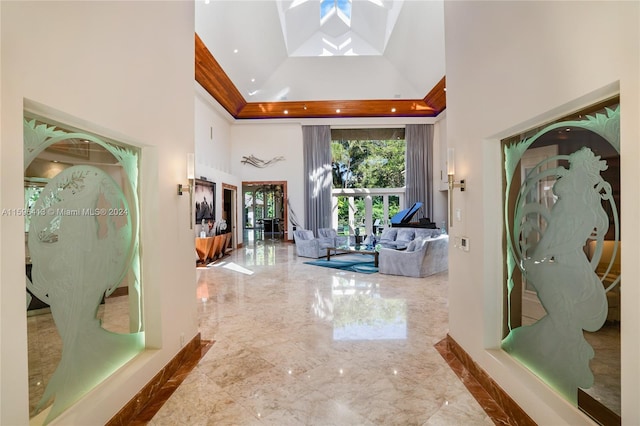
{"x":297,"y":344}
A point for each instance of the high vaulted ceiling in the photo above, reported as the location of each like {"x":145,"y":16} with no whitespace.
{"x":310,"y":58}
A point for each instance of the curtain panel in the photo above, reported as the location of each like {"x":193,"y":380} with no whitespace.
{"x":419,"y":167}
{"x":317,"y":177}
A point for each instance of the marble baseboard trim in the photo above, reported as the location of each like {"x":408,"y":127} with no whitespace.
{"x":142,"y":407}
{"x":498,"y":405}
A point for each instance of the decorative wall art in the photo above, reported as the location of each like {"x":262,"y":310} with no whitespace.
{"x":561,"y":216}
{"x":83,"y":244}
{"x":204,"y":196}
{"x":256,"y":162}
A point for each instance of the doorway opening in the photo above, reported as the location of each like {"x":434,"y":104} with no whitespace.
{"x":265,"y":211}
{"x":229,"y":211}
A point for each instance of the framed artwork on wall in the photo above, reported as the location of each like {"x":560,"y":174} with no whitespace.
{"x":204,"y":196}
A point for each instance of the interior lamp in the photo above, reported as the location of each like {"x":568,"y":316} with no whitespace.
{"x":451,"y":171}
{"x":189,"y":187}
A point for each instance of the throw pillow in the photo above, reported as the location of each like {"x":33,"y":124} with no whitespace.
{"x":327,"y":233}
{"x":405,"y":234}
{"x":420,"y":243}
{"x":305,"y":235}
{"x":388,"y":234}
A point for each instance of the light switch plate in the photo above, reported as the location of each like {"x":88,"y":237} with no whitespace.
{"x":464,"y":243}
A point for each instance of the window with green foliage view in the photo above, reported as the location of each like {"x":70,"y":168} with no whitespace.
{"x":367,"y":158}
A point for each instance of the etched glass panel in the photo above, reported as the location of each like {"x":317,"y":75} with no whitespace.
{"x":563,"y":241}
{"x":82,"y":262}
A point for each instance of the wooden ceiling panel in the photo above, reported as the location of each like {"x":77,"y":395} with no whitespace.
{"x":215,"y":81}
{"x":319,"y":109}
{"x":437,"y":97}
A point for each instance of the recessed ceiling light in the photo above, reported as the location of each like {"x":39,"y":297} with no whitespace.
{"x":338,"y":110}
{"x":393,"y":110}
{"x":286,"y":111}
{"x":235,"y":50}
{"x":305,"y":106}
{"x":445,"y":89}
{"x":253,"y":80}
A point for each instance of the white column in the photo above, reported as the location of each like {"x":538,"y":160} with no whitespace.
{"x":334,"y":212}
{"x":352,"y":210}
{"x":385,"y":209}
{"x":368,"y":214}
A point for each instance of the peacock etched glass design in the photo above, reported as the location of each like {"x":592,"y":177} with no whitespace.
{"x":563,"y":206}
{"x":83,"y":244}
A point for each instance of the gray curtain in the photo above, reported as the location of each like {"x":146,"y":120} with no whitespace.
{"x":317,"y":177}
{"x":419,"y":170}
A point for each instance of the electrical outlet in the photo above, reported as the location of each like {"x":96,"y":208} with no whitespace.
{"x":464,"y":243}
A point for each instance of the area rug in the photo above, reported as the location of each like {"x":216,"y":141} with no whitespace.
{"x":361,"y":263}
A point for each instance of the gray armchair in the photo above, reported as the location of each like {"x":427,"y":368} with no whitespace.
{"x":329,"y":238}
{"x":307,"y":245}
{"x":423,"y":257}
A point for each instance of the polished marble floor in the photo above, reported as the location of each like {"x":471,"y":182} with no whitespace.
{"x":297,"y":344}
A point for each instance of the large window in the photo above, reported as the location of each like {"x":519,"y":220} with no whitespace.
{"x":367,"y":159}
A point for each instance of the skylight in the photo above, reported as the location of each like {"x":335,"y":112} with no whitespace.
{"x":326,"y":27}
{"x":340,"y":7}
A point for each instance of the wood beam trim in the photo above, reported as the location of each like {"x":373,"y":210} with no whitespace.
{"x":348,"y":108}
{"x":215,"y":81}
{"x":437,"y":97}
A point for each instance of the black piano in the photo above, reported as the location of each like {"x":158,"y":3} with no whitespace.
{"x":403,"y":218}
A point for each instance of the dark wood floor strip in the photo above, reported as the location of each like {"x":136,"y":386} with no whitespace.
{"x":496,"y":411}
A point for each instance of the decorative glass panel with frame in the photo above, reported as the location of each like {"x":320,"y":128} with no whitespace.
{"x":82,"y":260}
{"x":563,"y":256}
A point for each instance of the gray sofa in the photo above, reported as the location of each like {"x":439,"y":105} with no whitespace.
{"x":400,"y":238}
{"x":421,"y":258}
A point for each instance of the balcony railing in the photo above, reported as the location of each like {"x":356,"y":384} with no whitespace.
{"x":364,"y":221}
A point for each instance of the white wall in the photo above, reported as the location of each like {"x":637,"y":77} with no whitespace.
{"x":219,"y":157}
{"x":266,"y":141}
{"x":512,"y":65}
{"x":212,"y":133}
{"x":123,"y":70}
{"x":213,"y":152}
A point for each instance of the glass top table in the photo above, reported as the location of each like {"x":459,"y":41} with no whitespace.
{"x":352,"y":249}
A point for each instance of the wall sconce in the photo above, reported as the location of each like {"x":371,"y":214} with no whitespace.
{"x":451,"y":171}
{"x":191,"y":174}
